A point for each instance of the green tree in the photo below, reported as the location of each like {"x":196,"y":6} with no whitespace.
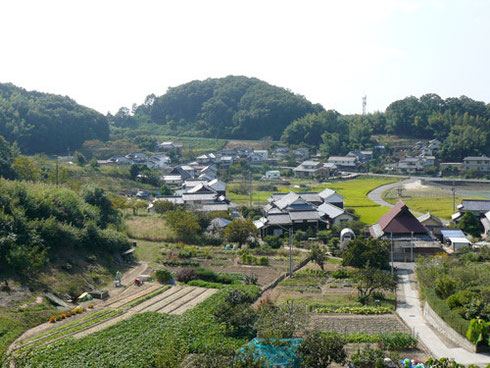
{"x":370,"y":279}
{"x":184,"y":224}
{"x":26,"y":169}
{"x":281,"y":322}
{"x":320,"y":349}
{"x":239,"y":230}
{"x":137,"y":204}
{"x":165,"y":190}
{"x":6,"y":159}
{"x":318,"y":255}
{"x":469,"y":224}
{"x":363,"y":251}
{"x":161,"y":207}
{"x":80,"y":159}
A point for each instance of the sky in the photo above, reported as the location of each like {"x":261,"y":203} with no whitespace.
{"x":106,"y":54}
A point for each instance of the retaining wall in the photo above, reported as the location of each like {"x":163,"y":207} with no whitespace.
{"x":274,"y":283}
{"x":440,"y":325}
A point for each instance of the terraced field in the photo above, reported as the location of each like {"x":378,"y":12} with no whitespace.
{"x":153,"y":298}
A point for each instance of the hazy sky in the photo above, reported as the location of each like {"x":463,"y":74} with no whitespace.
{"x":108,"y":54}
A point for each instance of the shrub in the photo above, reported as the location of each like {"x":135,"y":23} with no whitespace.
{"x":340,"y":274}
{"x":253,"y":244}
{"x":320,"y":349}
{"x":273,"y":241}
{"x":263,"y":261}
{"x":442,"y":309}
{"x":206,"y":274}
{"x":186,"y":275}
{"x":250,"y":279}
{"x":444,"y":286}
{"x":188,"y":252}
{"x":479,"y":332}
{"x":460,"y":298}
{"x":206,"y":284}
{"x":398,"y":341}
{"x":368,"y":358}
{"x":163,"y":275}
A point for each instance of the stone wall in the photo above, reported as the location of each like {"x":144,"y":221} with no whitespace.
{"x":440,"y":325}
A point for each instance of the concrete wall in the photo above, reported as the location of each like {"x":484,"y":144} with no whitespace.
{"x":440,"y":325}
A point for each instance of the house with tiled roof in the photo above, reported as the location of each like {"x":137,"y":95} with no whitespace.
{"x":301,"y":211}
{"x":409,"y":238}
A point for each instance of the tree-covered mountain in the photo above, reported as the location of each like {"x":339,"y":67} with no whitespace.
{"x":230,"y":107}
{"x":462,"y":124}
{"x":42,"y":122}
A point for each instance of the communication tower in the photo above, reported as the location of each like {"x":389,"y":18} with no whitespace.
{"x":364,"y":103}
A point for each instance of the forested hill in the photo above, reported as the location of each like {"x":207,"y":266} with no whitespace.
{"x":41,"y":122}
{"x":461,"y":124}
{"x":230,"y":107}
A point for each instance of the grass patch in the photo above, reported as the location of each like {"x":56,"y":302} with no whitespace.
{"x":147,"y":226}
{"x":441,"y":207}
{"x":14,"y":322}
{"x":371,"y":215}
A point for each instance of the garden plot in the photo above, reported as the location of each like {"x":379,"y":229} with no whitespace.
{"x":353,"y":323}
{"x":155,"y":298}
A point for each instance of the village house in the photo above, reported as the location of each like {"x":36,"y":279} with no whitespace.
{"x":301,"y":153}
{"x":432,"y":223}
{"x":456,"y":239}
{"x":344,"y":162}
{"x":158,"y":161}
{"x":302,"y":211}
{"x":480,"y":164}
{"x":362,"y":156}
{"x":258,"y":157}
{"x":310,"y":169}
{"x":408,"y":237}
{"x":478,"y":207}
{"x":272,"y":175}
{"x":168,"y":146}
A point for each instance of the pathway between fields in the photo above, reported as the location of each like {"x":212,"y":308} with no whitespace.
{"x":409,"y":309}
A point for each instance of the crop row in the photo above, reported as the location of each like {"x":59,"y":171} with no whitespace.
{"x":69,"y":331}
{"x":135,"y":342}
{"x":65,"y":326}
{"x":354,"y":310}
{"x":145,"y":297}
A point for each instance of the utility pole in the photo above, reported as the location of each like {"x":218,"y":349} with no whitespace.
{"x":454,"y":196}
{"x":251,"y":189}
{"x":391,"y":252}
{"x":291,"y":252}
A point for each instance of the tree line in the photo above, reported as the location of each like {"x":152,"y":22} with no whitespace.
{"x":461,"y":124}
{"x":41,"y":122}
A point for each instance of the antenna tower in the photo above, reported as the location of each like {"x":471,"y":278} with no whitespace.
{"x":364,"y":103}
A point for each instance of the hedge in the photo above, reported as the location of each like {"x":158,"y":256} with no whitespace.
{"x":442,"y":309}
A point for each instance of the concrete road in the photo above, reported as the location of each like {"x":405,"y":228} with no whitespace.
{"x":409,"y":309}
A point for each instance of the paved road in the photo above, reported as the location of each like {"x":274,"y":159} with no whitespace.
{"x":410,"y":311}
{"x":376,"y":194}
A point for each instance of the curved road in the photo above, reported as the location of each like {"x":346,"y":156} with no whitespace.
{"x":376,"y":195}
